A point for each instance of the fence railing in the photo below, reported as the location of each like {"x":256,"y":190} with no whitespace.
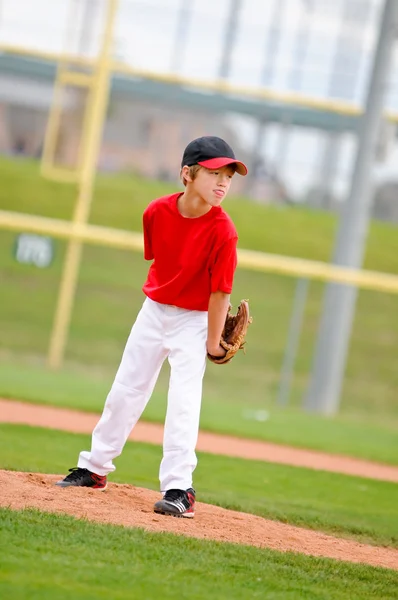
{"x":248,"y":259}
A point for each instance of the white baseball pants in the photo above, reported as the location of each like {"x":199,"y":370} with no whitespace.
{"x":160,"y":331}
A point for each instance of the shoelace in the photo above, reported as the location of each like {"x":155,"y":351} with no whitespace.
{"x":75,"y":473}
{"x":174,"y":495}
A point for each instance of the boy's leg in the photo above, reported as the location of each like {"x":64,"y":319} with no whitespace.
{"x":187,"y":359}
{"x":133,"y":385}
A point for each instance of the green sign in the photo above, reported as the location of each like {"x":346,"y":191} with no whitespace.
{"x":32,"y":249}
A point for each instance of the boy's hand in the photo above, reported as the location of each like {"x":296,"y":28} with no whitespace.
{"x":217,"y":351}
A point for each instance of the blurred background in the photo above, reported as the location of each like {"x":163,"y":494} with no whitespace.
{"x":286,"y":83}
{"x":316,"y":49}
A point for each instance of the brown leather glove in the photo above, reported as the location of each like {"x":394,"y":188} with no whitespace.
{"x":234,"y":333}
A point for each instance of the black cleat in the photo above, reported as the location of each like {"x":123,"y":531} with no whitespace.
{"x":177,"y":503}
{"x":83,"y":478}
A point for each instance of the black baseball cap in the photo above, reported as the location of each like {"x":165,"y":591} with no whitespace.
{"x":211,"y":152}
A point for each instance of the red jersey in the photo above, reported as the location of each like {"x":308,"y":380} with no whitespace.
{"x":192,"y":257}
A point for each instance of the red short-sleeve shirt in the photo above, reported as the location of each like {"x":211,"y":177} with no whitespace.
{"x":192,"y":257}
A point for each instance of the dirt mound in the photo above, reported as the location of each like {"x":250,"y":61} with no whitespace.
{"x":132,"y":507}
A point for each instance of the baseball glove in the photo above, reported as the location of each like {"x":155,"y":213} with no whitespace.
{"x":234,"y":333}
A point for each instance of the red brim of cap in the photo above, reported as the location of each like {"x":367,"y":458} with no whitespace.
{"x":217,"y":163}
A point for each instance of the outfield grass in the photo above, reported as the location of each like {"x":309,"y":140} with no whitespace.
{"x":52,"y":557}
{"x":341,"y":505}
{"x":72,"y":388}
{"x":109,"y":295}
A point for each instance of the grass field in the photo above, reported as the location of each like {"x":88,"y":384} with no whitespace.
{"x":58,"y":557}
{"x":54,"y":557}
{"x":109,"y":295}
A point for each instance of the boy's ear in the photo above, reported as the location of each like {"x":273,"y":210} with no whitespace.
{"x":186,"y":174}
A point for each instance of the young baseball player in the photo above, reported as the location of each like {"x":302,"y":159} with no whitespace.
{"x":191,"y":242}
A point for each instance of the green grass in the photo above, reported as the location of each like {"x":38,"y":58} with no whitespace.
{"x":341,"y":505}
{"x":52,"y":557}
{"x":109,"y":296}
{"x":87,"y":390}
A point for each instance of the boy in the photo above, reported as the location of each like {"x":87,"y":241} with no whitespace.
{"x":192,"y":243}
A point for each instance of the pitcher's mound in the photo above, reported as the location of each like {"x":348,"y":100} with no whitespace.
{"x":126,"y":505}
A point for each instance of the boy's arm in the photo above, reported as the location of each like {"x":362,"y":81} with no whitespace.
{"x":217,"y":312}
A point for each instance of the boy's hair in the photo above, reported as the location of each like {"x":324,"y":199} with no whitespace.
{"x":193,"y":171}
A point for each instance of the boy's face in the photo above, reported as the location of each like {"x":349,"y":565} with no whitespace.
{"x":213,"y":185}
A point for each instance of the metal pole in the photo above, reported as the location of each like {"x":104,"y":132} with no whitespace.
{"x":301,"y":43}
{"x":86,"y":34}
{"x":272,"y":44}
{"x":339,"y":305}
{"x":184,"y":20}
{"x":256,"y":158}
{"x":270,"y":54}
{"x":293,"y":340}
{"x":328,"y":169}
{"x":84,"y":97}
{"x":344,"y":76}
{"x":348,"y":53}
{"x":98,"y":101}
{"x":54,"y":119}
{"x":271,"y":50}
{"x":281,"y":155}
{"x":229,"y":38}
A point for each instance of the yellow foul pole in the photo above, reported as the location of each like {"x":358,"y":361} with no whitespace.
{"x":93,"y":127}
